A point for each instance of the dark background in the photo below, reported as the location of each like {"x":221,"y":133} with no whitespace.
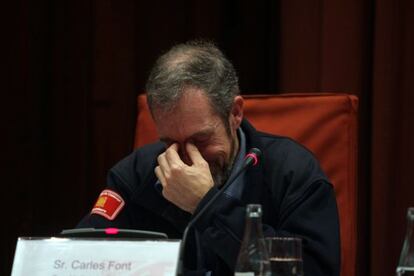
{"x":73,"y":69}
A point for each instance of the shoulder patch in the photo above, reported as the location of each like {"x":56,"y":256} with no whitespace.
{"x":108,"y":205}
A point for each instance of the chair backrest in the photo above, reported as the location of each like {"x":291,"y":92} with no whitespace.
{"x":326,"y":124}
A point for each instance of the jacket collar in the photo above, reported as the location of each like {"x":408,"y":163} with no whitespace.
{"x":254,"y":175}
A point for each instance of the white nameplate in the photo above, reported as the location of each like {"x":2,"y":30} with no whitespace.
{"x":84,"y":257}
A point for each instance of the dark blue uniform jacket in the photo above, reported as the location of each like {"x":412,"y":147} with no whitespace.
{"x":296,"y":196}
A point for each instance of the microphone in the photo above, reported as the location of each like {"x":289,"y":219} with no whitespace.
{"x":251,"y":159}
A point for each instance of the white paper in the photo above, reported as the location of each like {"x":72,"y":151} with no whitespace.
{"x":85,"y":257}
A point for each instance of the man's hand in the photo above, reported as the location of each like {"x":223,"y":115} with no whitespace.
{"x":184,"y":185}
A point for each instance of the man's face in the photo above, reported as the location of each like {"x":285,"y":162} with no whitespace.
{"x":194,"y":121}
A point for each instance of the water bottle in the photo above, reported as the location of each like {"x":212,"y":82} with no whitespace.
{"x":253,"y":259}
{"x":406,"y":263}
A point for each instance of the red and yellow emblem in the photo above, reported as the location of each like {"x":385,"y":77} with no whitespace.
{"x":108,"y":205}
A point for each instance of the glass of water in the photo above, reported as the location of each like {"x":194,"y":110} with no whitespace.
{"x":285,"y":255}
{"x":406,"y":264}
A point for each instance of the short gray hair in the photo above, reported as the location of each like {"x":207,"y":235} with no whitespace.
{"x":198,"y":64}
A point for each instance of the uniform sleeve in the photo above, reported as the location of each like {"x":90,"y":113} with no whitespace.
{"x":306,"y":207}
{"x":125,"y":179}
{"x":111,"y":212}
{"x":314,"y":218}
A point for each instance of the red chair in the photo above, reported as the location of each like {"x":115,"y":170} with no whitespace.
{"x":326,"y":124}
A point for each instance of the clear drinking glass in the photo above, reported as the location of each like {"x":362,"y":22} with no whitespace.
{"x":285,"y":254}
{"x":406,"y":263}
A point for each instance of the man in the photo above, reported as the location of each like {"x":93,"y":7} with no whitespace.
{"x":194,"y":99}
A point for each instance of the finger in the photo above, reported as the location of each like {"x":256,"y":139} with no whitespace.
{"x":162,"y":162}
{"x":160,"y":176}
{"x":172,"y":156}
{"x":194,"y":154}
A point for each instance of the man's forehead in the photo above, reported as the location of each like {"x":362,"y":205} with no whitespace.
{"x":187,"y":130}
{"x":191,"y":116}
{"x":202,"y":133}
{"x":194,"y":106}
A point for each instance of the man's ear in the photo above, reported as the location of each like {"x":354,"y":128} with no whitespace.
{"x":236,"y":114}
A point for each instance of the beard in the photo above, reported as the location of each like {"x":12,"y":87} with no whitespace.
{"x":221,"y":174}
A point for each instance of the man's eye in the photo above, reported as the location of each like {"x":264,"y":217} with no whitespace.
{"x":201,"y":142}
{"x":167,"y":143}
